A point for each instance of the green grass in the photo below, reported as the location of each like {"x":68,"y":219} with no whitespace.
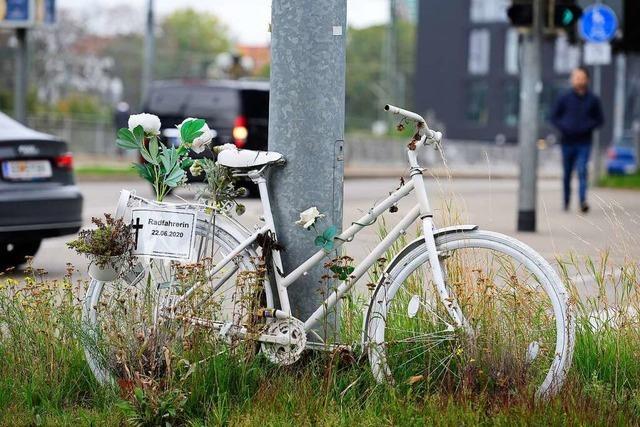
{"x":44,"y":379}
{"x":124,"y":170}
{"x":621,"y":181}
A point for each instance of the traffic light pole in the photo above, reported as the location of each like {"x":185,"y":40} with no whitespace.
{"x":530,"y":88}
{"x":306,"y":124}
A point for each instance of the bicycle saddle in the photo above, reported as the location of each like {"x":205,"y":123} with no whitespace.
{"x":234,"y":158}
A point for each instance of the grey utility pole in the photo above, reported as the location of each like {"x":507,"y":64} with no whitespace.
{"x":530,"y":88}
{"x":306,"y":124}
{"x":21,"y":76}
{"x":149,"y":52}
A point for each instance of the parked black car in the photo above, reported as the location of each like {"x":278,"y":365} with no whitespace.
{"x":38,"y":195}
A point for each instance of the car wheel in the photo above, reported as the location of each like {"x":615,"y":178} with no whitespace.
{"x":13,"y":253}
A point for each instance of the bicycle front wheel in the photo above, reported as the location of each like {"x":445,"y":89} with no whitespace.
{"x":519,"y":331}
{"x":132,"y":324}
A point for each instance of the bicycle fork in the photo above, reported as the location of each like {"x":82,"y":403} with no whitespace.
{"x":426,"y":216}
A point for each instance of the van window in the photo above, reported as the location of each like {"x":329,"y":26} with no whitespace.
{"x":168,"y":101}
{"x":219,"y":104}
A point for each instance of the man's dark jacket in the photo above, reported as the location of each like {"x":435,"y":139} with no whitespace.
{"x":577,"y":116}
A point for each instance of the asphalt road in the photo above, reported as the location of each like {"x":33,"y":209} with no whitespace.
{"x":611,"y":225}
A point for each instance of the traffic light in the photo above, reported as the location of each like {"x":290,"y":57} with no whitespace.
{"x":566,"y":14}
{"x":521,"y":13}
{"x":562,"y":14}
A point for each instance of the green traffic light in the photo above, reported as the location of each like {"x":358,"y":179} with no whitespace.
{"x":567,"y":17}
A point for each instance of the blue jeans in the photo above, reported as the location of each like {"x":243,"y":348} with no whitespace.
{"x":575,"y":156}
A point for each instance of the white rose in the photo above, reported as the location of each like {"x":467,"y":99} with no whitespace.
{"x":200,"y":143}
{"x":218,"y":148}
{"x":309,"y":217}
{"x":149,"y":122}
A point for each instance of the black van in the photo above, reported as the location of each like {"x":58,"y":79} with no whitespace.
{"x":238,"y":110}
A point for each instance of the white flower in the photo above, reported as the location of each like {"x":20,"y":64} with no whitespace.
{"x":149,"y":122}
{"x":218,"y":148}
{"x":309,"y":217}
{"x":200,"y":143}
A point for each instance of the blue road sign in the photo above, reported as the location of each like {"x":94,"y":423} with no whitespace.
{"x":16,"y":12}
{"x":598,"y":24}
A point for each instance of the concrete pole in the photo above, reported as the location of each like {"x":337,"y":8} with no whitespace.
{"x":21,"y":82}
{"x":149,"y":53}
{"x":530,"y":88}
{"x":306,"y":124}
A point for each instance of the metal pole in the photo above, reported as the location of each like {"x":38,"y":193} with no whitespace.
{"x":21,"y":76}
{"x":597,"y":155}
{"x":620,"y":101}
{"x":306,"y":124}
{"x":530,"y":88}
{"x":149,"y":53}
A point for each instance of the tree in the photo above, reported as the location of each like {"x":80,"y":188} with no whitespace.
{"x":189,"y":42}
{"x":366,"y":71}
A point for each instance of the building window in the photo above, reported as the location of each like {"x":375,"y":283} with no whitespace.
{"x":511,"y":103}
{"x":477,"y":111}
{"x":479,"y":51}
{"x":566,"y":57}
{"x":512,"y":52}
{"x":484,"y":11}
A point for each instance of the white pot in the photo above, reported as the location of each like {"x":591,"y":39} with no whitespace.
{"x":108,"y":273}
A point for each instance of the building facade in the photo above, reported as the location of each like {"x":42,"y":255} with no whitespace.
{"x":467,"y":71}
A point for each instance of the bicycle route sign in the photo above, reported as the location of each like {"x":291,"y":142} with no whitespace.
{"x":162,"y":233}
{"x":598,"y":24}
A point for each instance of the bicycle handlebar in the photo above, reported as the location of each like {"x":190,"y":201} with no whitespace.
{"x":421,"y":124}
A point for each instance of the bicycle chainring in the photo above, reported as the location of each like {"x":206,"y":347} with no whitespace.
{"x":285,"y":354}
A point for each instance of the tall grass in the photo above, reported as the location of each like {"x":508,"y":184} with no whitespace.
{"x":44,"y":379}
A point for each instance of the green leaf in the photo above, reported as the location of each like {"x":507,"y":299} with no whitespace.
{"x":174,"y":177}
{"x":240,"y":209}
{"x":349,"y":269}
{"x":153,"y":147}
{"x":126,"y":140}
{"x":186,"y":163}
{"x":190,"y":130}
{"x":138,"y":133}
{"x":330,"y":233}
{"x":145,"y":171}
{"x":145,"y":155}
{"x":169,"y":158}
{"x":320,"y":241}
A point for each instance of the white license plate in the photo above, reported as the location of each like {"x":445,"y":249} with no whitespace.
{"x":26,"y":169}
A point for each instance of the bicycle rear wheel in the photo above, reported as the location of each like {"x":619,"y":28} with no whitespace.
{"x":129,"y":327}
{"x":522,"y":332}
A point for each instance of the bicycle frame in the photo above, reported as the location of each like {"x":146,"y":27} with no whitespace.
{"x":422,"y":211}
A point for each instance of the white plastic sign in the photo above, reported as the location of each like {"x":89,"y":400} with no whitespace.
{"x":161,"y":233}
{"x":597,"y":53}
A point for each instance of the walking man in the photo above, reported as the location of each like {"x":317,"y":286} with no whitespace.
{"x":576,"y":114}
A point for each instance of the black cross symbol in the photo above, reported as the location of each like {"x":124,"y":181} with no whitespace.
{"x":137,"y":227}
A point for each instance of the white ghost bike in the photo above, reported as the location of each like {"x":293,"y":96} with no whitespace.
{"x":457,"y":306}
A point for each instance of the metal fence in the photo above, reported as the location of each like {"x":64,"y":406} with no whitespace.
{"x":83,"y":136}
